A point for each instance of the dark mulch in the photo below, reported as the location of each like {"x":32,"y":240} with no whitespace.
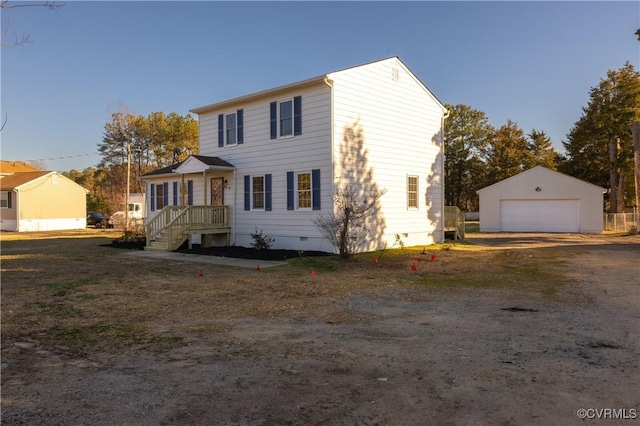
{"x":250,"y":253}
{"x":129,"y":244}
{"x":227,"y":251}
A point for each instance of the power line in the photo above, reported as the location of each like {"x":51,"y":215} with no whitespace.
{"x":64,"y":157}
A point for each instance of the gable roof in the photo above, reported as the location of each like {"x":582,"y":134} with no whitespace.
{"x":206,"y":160}
{"x":11,"y":182}
{"x":522,"y":175}
{"x":321,"y":79}
{"x":10,"y":167}
{"x":16,"y":180}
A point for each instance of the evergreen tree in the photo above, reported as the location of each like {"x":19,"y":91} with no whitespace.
{"x":466,"y":134}
{"x":613,"y":105}
{"x":541,"y":150}
{"x":507,"y":153}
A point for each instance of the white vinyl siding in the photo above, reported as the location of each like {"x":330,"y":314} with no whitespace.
{"x":397,"y":124}
{"x":260,"y":155}
{"x":382,"y":129}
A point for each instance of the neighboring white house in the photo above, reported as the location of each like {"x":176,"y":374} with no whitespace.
{"x":541,"y":200}
{"x":271,"y":161}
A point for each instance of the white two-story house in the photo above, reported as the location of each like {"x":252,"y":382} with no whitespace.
{"x":271,"y":161}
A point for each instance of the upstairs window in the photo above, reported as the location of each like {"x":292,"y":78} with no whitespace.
{"x":412,"y":192}
{"x":231,"y":128}
{"x":286,"y":118}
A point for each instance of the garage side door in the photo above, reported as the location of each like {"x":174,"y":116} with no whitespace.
{"x":540,"y":215}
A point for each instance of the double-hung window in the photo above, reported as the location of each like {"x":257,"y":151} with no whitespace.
{"x":303,"y":190}
{"x":162,"y":195}
{"x":257,"y":192}
{"x":412,"y":192}
{"x":257,"y":189}
{"x":231,"y":128}
{"x":286,"y":117}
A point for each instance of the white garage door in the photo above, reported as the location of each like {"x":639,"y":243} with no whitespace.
{"x":540,"y":215}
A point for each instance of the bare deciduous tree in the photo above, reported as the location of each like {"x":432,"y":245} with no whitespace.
{"x":345,"y":228}
{"x":25,"y":38}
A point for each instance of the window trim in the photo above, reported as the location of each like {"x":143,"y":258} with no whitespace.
{"x":279,"y":120}
{"x":5,"y":196}
{"x":297,"y":191}
{"x":276,"y":117}
{"x":162,"y":202}
{"x":414,"y":192}
{"x":223,"y":128}
{"x":253,"y":193}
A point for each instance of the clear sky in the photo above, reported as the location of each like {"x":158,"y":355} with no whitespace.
{"x":531,"y":62}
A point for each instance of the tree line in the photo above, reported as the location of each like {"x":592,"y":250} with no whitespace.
{"x":598,"y":149}
{"x":152,"y":142}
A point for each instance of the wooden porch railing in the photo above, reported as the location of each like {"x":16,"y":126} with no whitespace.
{"x":174,"y":223}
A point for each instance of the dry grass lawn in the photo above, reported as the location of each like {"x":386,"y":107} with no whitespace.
{"x":520,"y":329}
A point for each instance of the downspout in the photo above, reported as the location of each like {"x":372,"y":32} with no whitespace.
{"x":442,"y":153}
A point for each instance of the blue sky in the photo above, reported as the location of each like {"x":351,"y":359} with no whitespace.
{"x":531,"y":62}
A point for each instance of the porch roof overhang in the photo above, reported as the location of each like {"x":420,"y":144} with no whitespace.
{"x":193,"y":164}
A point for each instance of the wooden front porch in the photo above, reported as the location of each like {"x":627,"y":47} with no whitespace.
{"x":174,"y":225}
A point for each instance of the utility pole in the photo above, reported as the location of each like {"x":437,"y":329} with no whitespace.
{"x":126,"y":198}
{"x":635,"y":131}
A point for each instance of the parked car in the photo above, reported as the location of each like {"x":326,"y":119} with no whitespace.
{"x":98,"y":220}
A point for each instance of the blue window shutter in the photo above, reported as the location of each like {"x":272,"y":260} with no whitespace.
{"x":274,"y":119}
{"x":267,"y":192}
{"x":290,"y":193}
{"x":297,"y":115}
{"x":153,"y":197}
{"x":175,"y":193}
{"x":247,"y":192}
{"x":221,"y":130}
{"x":240,"y":127}
{"x":165,"y":193}
{"x":190,"y":192}
{"x":315,"y":188}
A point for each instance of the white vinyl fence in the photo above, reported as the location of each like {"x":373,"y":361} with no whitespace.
{"x":621,"y":221}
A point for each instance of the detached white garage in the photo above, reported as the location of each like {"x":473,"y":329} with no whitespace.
{"x":541,"y":200}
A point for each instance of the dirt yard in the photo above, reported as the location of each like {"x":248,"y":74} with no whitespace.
{"x":503,"y":329}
